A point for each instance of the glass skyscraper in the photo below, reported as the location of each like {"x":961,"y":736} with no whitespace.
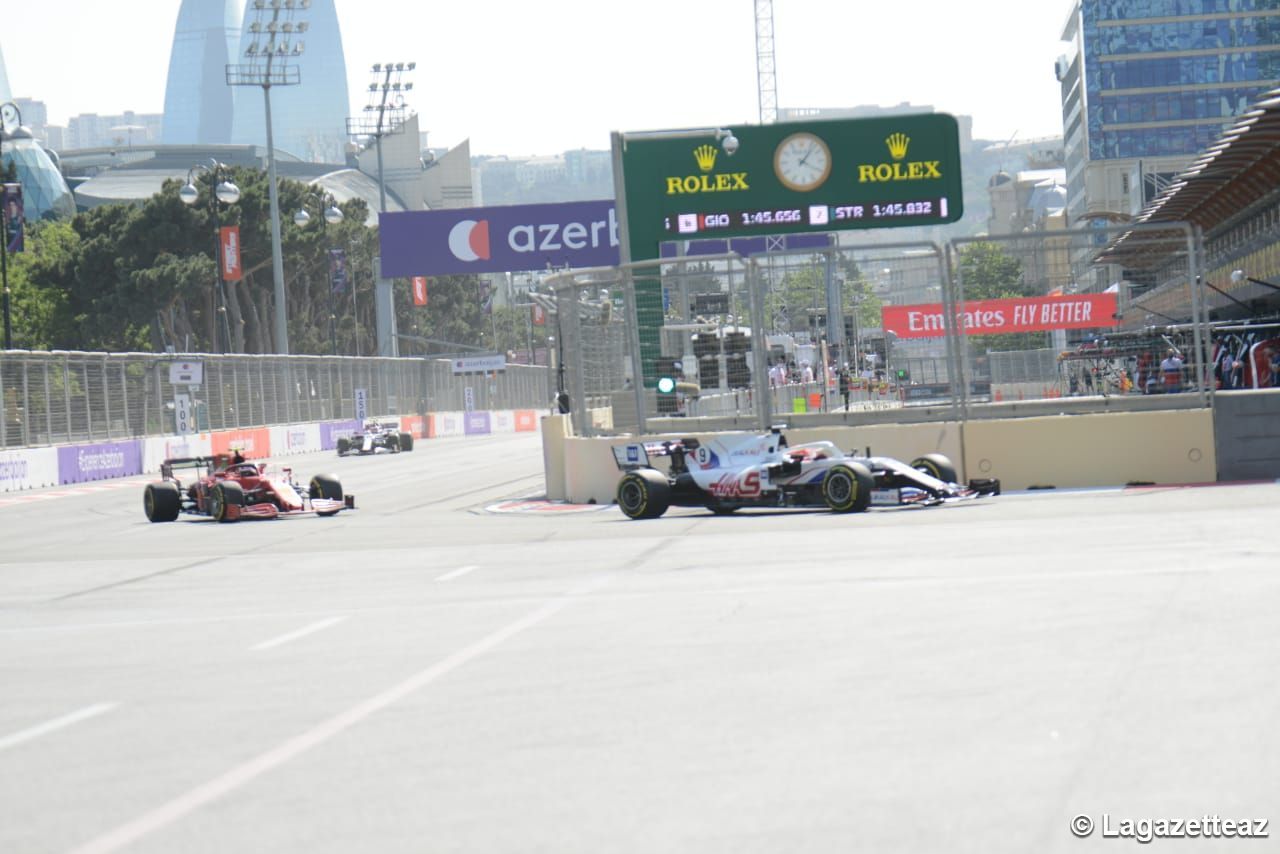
{"x":1152,"y":84}
{"x":5,"y":94}
{"x":309,"y":119}
{"x":197,"y":100}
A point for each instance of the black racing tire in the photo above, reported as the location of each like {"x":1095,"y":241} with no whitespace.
{"x":392,"y":443}
{"x":224,"y":494}
{"x":936,"y":465}
{"x":344,"y":446}
{"x":846,"y":487}
{"x":406,"y":441}
{"x":325,"y":486}
{"x":644,"y":494}
{"x":161,"y":502}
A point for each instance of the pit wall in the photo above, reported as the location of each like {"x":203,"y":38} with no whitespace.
{"x":1111,"y":449}
{"x":29,"y":468}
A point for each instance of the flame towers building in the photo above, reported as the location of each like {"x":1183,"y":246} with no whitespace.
{"x":198,"y":101}
{"x":310,"y":118}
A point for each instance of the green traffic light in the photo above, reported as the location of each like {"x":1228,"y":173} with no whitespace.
{"x":666,"y":385}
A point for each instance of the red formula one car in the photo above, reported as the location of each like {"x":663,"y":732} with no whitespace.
{"x":229,"y":489}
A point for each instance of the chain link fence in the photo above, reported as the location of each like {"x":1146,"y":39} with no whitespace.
{"x":882,"y":325}
{"x":61,"y":397}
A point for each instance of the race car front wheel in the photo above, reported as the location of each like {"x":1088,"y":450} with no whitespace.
{"x":344,"y":447}
{"x":325,"y":486}
{"x":161,"y":502}
{"x":847,"y":488}
{"x":406,"y":441}
{"x":224,"y":496}
{"x":936,"y":465}
{"x":644,"y":494}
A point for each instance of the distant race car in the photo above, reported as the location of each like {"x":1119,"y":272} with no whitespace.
{"x":724,"y":475}
{"x":376,"y":435}
{"x":229,"y":489}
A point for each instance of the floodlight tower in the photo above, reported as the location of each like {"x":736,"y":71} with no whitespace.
{"x":766,"y":79}
{"x":276,"y":39}
{"x":385,"y":114}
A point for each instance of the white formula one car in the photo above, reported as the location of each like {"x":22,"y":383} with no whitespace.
{"x":374,"y":436}
{"x":724,"y":475}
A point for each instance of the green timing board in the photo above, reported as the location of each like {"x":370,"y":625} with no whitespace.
{"x":813,"y":176}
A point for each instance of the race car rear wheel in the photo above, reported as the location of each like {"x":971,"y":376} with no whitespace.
{"x":936,"y":465}
{"x":406,"y":441}
{"x":161,"y":502}
{"x":344,"y":446}
{"x":644,"y":494}
{"x":847,"y":488}
{"x":325,"y":486}
{"x":224,"y":495}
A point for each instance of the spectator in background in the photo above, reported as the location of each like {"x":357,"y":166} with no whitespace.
{"x":844,"y":385}
{"x":1171,"y":371}
{"x":777,"y":375}
{"x":806,"y":372}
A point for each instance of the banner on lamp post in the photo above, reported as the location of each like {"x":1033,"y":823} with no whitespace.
{"x":11,"y":214}
{"x":539,"y":315}
{"x":338,"y":270}
{"x":419,"y":290}
{"x":229,"y":239}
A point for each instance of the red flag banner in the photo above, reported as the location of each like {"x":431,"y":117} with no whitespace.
{"x":538,"y":315}
{"x":229,"y":237}
{"x":419,"y":290}
{"x":1004,"y":316}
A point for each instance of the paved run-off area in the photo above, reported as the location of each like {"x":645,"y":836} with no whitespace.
{"x":422,"y":675}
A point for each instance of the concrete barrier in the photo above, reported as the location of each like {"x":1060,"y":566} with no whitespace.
{"x":1106,"y":449}
{"x":28,"y":468}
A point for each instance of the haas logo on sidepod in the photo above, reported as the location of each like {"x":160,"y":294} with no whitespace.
{"x":469,"y":240}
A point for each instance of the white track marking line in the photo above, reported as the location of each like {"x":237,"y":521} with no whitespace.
{"x":457,"y":573}
{"x":300,"y":633}
{"x":168,"y":813}
{"x":55,"y":724}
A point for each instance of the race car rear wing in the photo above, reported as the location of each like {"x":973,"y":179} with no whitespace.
{"x":636,"y":456}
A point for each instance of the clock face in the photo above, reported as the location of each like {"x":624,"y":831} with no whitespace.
{"x":802,"y":162}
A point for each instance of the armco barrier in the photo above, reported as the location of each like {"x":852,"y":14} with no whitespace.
{"x":295,"y":439}
{"x":332,"y":431}
{"x":253,"y":444}
{"x":28,"y":468}
{"x":161,"y":448}
{"x":80,"y":463}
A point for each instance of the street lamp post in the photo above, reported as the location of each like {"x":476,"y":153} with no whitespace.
{"x":276,"y":40}
{"x":331,"y":214}
{"x":227,"y":193}
{"x":10,"y":117}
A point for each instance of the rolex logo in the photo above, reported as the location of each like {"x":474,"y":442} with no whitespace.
{"x":898,"y":143}
{"x":706,"y":157}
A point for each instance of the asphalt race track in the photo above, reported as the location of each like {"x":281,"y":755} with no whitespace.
{"x":423,"y":675}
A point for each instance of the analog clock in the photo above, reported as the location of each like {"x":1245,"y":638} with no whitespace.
{"x":802,"y":162}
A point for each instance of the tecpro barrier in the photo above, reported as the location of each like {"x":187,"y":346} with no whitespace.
{"x":28,"y":469}
{"x":80,"y":463}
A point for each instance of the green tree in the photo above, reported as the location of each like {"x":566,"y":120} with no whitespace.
{"x":986,"y":271}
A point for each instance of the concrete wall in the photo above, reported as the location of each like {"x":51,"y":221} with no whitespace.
{"x":1107,"y":449}
{"x":1247,"y":431}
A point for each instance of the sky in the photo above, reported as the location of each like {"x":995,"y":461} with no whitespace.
{"x":523,"y":78}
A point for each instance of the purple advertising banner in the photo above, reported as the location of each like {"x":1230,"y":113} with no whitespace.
{"x":79,"y":463}
{"x":331,"y":431}
{"x":501,"y":239}
{"x":477,"y":424}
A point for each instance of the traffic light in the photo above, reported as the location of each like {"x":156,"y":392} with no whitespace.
{"x":903,"y":375}
{"x":668,"y":370}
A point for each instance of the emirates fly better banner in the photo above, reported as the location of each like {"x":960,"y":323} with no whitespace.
{"x":1002,"y":316}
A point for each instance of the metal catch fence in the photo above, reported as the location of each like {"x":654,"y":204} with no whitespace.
{"x":59,"y":397}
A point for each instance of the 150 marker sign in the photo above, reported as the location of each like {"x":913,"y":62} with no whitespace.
{"x":1003,"y":316}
